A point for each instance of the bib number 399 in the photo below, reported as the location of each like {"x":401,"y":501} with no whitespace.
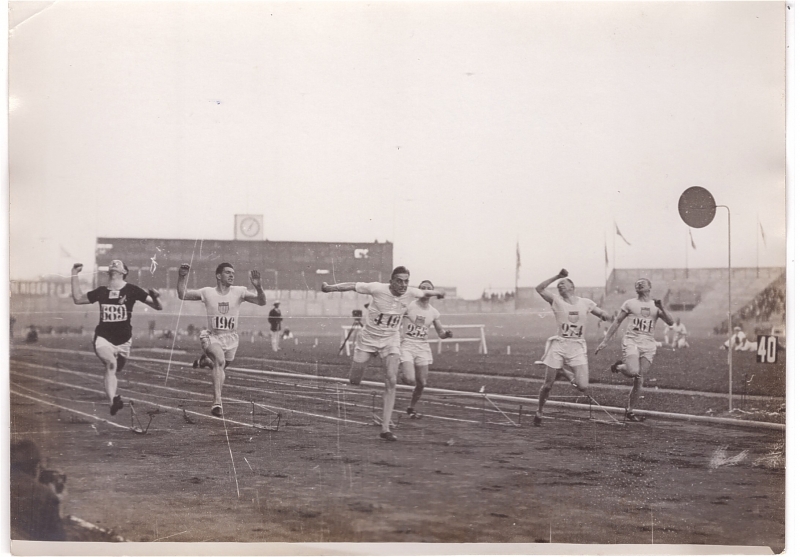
{"x":767,"y":352}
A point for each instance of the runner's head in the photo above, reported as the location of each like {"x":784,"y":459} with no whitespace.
{"x":642,"y":286}
{"x":426,"y":285}
{"x":225,"y":273}
{"x":118,"y":267}
{"x":565,"y":287}
{"x":399,"y":283}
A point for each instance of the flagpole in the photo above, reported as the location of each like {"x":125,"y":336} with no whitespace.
{"x":758,"y":222}
{"x":516,"y":276}
{"x":614,"y":252}
{"x":687,"y":252}
{"x":605,"y":266}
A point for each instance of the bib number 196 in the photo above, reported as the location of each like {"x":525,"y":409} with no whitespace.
{"x":767,"y":350}
{"x":222,"y":322}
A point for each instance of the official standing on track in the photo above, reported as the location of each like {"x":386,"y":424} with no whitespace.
{"x":220,"y":340}
{"x":381,"y":333}
{"x":113,"y":335}
{"x":275,"y":326}
{"x":638,"y":343}
{"x":565,"y":354}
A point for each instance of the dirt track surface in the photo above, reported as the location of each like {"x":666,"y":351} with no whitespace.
{"x":325,"y":476}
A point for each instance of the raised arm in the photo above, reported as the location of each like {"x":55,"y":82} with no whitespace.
{"x":340,"y":287}
{"x":152,"y":299}
{"x":259,"y":297}
{"x":541,"y":288}
{"x":78,"y":296}
{"x":183,"y":293}
{"x":428,"y":293}
{"x":612,"y":329}
{"x":663,"y":313}
{"x":441,"y":330}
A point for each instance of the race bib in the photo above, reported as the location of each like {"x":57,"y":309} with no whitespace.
{"x":416,"y":331}
{"x":568,"y":330}
{"x":113,"y":313}
{"x":387,"y":320}
{"x":221,"y":322}
{"x":642,"y":325}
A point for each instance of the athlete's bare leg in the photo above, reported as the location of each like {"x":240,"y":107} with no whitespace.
{"x":633,"y":398}
{"x":109,"y":359}
{"x":407,"y":373}
{"x":391,"y":364}
{"x":631,"y":366}
{"x":421,"y":376}
{"x":215,"y":353}
{"x":544,"y":392}
{"x":357,"y":369}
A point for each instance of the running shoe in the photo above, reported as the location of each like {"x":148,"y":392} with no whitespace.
{"x":413,"y":414}
{"x":116,"y":405}
{"x":631,"y":417}
{"x":614,"y":366}
{"x":388,"y":436}
{"x":202,"y":361}
{"x":537,"y":421}
{"x":216,"y":410}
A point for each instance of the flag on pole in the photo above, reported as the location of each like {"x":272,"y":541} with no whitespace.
{"x":691,"y":239}
{"x":620,"y":234}
{"x":763,"y":236}
{"x":519,"y":261}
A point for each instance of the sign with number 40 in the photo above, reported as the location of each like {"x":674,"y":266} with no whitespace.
{"x":767,"y":351}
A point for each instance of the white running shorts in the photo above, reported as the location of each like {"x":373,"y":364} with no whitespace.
{"x":559,"y":351}
{"x":229,"y":342}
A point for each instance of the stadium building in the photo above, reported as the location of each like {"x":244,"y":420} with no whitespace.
{"x":154,"y":263}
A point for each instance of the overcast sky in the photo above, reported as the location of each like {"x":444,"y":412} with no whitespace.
{"x":452,"y":129}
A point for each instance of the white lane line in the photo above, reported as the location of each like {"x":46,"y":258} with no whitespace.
{"x":604,"y":386}
{"x":507,"y":398}
{"x":140,"y":384}
{"x":68,"y":409}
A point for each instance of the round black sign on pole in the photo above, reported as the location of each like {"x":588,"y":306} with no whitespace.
{"x":697,"y":207}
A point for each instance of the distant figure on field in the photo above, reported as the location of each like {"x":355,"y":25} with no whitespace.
{"x":287,"y":334}
{"x":565,"y":354}
{"x":679,"y":335}
{"x":35,"y":503}
{"x":638,"y":343}
{"x":740,"y":342}
{"x":738,"y":338}
{"x":275,"y":326}
{"x":113,"y":335}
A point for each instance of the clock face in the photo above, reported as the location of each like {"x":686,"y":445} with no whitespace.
{"x":249,"y":227}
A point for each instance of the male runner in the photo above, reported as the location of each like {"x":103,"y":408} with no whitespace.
{"x":113,"y":335}
{"x":220,"y":340}
{"x":565,"y":353}
{"x":638,"y":343}
{"x":381,"y":333}
{"x":415,"y":352}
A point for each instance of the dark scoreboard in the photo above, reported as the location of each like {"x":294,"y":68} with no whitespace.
{"x":154,"y":262}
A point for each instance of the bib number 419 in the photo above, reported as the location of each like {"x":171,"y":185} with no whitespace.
{"x":767,"y":351}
